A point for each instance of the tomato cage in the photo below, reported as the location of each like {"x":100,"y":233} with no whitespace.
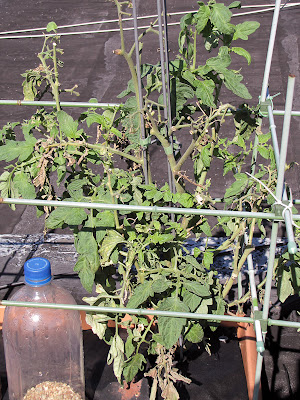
{"x":281,"y":211}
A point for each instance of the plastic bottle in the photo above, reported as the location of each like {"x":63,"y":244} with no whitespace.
{"x":43,"y":347}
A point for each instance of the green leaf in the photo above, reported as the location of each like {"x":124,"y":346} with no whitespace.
{"x":221,"y":62}
{"x":131,"y":105}
{"x":141,"y":294}
{"x":67,"y":125}
{"x":243,"y":30}
{"x":220,"y":17}
{"x":186,"y":20}
{"x":94,"y":118}
{"x":204,"y":92}
{"x":264,"y":152}
{"x":264,"y":138}
{"x":197,"y":288}
{"x":202,"y":17}
{"x":171,"y":328}
{"x":185,"y":199}
{"x":205,"y":155}
{"x":104,"y":220}
{"x":206,"y":228}
{"x":51,"y":26}
{"x":241,"y":182}
{"x":208,"y":259}
{"x":85,"y":273}
{"x":111,"y":240}
{"x":12,"y":150}
{"x":192,"y":260}
{"x":284,"y":286}
{"x":235,"y":4}
{"x":129,"y":346}
{"x":133,"y":366}
{"x":161,"y":285}
{"x":195,"y":334}
{"x":191,"y":300}
{"x":86,"y":244}
{"x":180,"y":94}
{"x":232,"y":81}
{"x":68,"y":215}
{"x":242,"y":52}
{"x":24,"y":186}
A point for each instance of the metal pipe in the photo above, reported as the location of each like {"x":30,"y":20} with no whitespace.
{"x":266,"y":76}
{"x":281,"y":112}
{"x":131,"y":311}
{"x":141,"y":311}
{"x":271,"y":260}
{"x":164,"y":62}
{"x":285,"y":135}
{"x":257,"y":325}
{"x":270,"y":51}
{"x":141,"y":103}
{"x":288,"y":324}
{"x":62,"y":103}
{"x":86,"y":104}
{"x":150,"y":209}
{"x":292,"y":247}
{"x":258,"y":370}
{"x":266,"y":305}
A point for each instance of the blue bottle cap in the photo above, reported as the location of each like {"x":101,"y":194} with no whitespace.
{"x":37,"y":271}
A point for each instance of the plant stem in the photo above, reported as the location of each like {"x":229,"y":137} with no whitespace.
{"x":56,"y":83}
{"x":112,"y":196}
{"x":195,"y":51}
{"x":221,"y":110}
{"x":229,"y":241}
{"x":100,"y":147}
{"x":246,"y":295}
{"x":212,"y":146}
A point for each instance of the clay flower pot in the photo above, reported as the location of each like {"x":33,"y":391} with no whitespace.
{"x":247,"y":343}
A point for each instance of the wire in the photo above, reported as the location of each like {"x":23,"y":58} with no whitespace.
{"x":286,"y":5}
{"x":55,"y":277}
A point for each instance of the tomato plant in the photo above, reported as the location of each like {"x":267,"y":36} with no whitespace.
{"x":139,"y":259}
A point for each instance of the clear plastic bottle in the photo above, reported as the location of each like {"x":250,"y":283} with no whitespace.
{"x":43,"y":347}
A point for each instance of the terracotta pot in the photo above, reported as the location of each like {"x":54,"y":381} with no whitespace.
{"x":247,"y":343}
